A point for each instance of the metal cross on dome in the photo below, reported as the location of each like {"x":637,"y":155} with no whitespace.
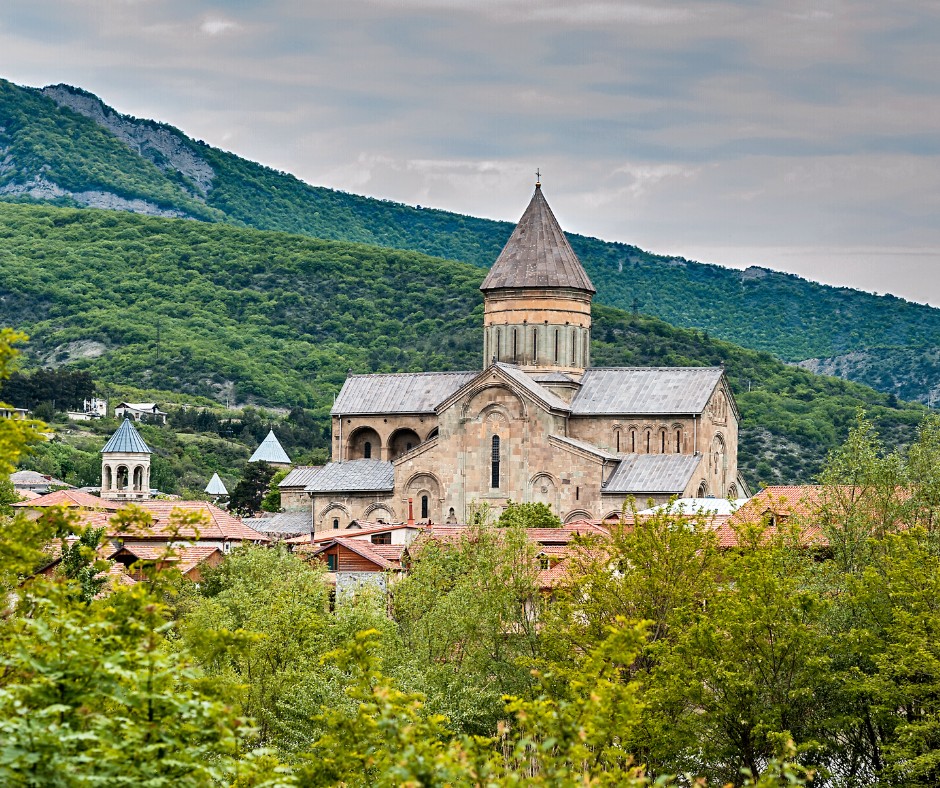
{"x":538,"y":177}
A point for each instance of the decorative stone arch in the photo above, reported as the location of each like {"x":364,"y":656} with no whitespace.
{"x":364,"y":443}
{"x":577,"y":514}
{"x":137,"y":479}
{"x":618,"y":442}
{"x":475,"y":393}
{"x":107,"y":476}
{"x":662,"y":440}
{"x":702,"y":491}
{"x":633,"y":431}
{"x":122,"y":477}
{"x":732,"y":490}
{"x":676,"y":435}
{"x":401,"y":441}
{"x":613,"y":515}
{"x":385,"y":508}
{"x":718,"y":461}
{"x":433,"y":433}
{"x":543,"y":488}
{"x":335,"y":511}
{"x":424,"y":488}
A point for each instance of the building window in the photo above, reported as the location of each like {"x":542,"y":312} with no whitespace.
{"x":633,"y":441}
{"x":577,"y":493}
{"x":544,"y":563}
{"x":496,"y":353}
{"x":515,"y":350}
{"x":678,"y":441}
{"x":556,"y":345}
{"x":424,"y":507}
{"x":535,"y":346}
{"x":662,"y":441}
{"x":367,"y":450}
{"x":617,"y":434}
{"x":331,"y":563}
{"x":385,"y":538}
{"x":494,"y":465}
{"x":335,"y":524}
{"x":649,"y":437}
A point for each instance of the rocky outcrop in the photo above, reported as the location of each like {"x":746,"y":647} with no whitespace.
{"x":162,"y":145}
{"x":40,"y":188}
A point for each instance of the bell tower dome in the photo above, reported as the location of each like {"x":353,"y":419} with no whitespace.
{"x":537,"y":298}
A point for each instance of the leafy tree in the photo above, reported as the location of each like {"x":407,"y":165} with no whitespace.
{"x":272,"y":497}
{"x":248,"y":494}
{"x":528,"y":515}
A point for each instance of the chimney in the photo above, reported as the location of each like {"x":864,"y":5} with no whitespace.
{"x":411,"y":512}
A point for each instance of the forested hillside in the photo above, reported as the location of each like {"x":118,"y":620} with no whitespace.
{"x":63,"y":144}
{"x":278,"y":319}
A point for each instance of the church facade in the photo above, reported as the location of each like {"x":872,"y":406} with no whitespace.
{"x":537,"y":423}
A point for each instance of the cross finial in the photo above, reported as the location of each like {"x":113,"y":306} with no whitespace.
{"x":538,"y":178}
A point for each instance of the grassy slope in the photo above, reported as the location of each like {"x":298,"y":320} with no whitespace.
{"x":285,"y":316}
{"x":782,"y":314}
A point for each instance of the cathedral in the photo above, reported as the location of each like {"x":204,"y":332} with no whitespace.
{"x":537,"y":424}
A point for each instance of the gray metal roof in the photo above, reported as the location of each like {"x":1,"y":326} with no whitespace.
{"x":353,"y":476}
{"x":652,"y":473}
{"x":537,"y":254}
{"x":286,"y":523}
{"x":300,"y":476}
{"x":215,"y":486}
{"x":645,"y":390}
{"x":270,"y":450}
{"x":414,"y":392}
{"x":589,"y":447}
{"x":537,"y":391}
{"x":126,"y":440}
{"x":552,"y":377}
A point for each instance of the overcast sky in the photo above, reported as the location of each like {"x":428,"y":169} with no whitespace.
{"x":801,"y":136}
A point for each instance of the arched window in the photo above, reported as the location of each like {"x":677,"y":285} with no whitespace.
{"x":662,"y":442}
{"x":496,"y":353}
{"x":617,"y":435}
{"x":702,"y":490}
{"x":649,"y":438}
{"x":633,"y":441}
{"x":367,"y":450}
{"x":515,"y":346}
{"x":424,"y":507}
{"x":336,"y":523}
{"x":678,"y":441}
{"x":556,"y":345}
{"x":535,"y":346}
{"x":494,"y":464}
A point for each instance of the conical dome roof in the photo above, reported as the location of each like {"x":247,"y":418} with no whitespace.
{"x":215,"y":486}
{"x":537,"y":254}
{"x":270,"y":450}
{"x":126,"y":440}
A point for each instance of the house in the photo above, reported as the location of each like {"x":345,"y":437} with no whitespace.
{"x":31,"y":481}
{"x":190,"y":560}
{"x":538,"y":423}
{"x":148,"y":411}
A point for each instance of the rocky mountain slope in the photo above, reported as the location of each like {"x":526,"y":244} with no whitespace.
{"x":64,"y":145}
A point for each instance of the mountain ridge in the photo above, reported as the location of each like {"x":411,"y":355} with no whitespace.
{"x":70,"y":147}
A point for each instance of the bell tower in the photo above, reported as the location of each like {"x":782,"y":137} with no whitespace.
{"x":125,"y":466}
{"x":537,"y":298}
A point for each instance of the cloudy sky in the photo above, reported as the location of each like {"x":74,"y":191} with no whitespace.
{"x":801,"y":136}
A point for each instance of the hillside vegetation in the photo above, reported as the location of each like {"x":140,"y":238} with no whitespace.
{"x":277,"y":319}
{"x":64,"y":144}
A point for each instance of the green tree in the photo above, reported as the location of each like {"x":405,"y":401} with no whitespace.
{"x":248,"y":494}
{"x":272,"y":497}
{"x":528,"y":515}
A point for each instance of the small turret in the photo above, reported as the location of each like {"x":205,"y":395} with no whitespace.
{"x":125,"y":466}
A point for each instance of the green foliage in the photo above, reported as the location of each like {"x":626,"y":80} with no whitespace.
{"x":779,"y":313}
{"x":251,"y":489}
{"x":528,"y":515}
{"x":272,"y":496}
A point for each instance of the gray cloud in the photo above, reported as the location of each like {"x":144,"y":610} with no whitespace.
{"x":803,"y":136}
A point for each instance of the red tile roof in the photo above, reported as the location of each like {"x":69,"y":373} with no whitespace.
{"x":219,"y":524}
{"x":351,"y":533}
{"x":72,"y":499}
{"x":363,"y":548}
